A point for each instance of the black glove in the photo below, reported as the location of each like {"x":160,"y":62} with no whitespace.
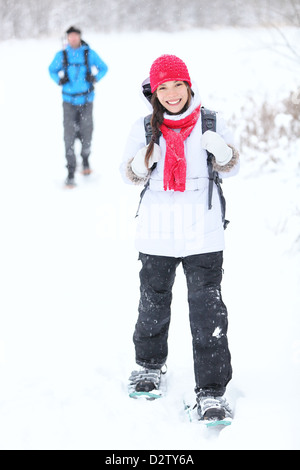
{"x":63,"y":80}
{"x":90,"y":78}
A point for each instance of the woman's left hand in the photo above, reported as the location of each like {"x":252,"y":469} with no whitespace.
{"x":214,"y":143}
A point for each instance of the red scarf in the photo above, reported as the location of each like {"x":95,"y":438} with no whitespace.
{"x":175,"y":162}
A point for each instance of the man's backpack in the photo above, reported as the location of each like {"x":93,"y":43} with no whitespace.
{"x":86,"y":63}
{"x":209,"y":120}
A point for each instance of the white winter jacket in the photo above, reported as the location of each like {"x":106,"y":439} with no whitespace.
{"x":173,"y":223}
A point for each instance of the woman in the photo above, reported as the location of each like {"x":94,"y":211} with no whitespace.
{"x":176,"y":226}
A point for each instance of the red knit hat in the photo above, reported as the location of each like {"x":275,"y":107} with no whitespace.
{"x":168,"y":68}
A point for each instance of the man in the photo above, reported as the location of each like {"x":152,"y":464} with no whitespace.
{"x":72,"y":69}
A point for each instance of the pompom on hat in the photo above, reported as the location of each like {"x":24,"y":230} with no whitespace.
{"x":168,"y":68}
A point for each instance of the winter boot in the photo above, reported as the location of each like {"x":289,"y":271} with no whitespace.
{"x":212,"y":408}
{"x":145,"y":382}
{"x":70,"y":181}
{"x":86,"y":167}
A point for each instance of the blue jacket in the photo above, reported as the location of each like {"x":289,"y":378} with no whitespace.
{"x":75,"y":90}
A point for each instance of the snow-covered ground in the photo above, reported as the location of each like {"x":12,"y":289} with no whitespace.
{"x":69,"y":269}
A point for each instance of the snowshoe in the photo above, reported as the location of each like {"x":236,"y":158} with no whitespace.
{"x":145,"y":383}
{"x":213,"y":409}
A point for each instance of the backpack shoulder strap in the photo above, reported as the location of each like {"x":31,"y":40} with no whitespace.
{"x":148,"y":128}
{"x":86,"y":54}
{"x":209,"y":120}
{"x":149,"y":134}
{"x":86,"y":58}
{"x":65,"y":62}
{"x":148,"y":137}
{"x":87,"y":65}
{"x":65,"y":59}
{"x":209,"y":123}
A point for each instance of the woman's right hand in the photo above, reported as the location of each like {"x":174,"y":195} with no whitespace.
{"x":138,"y":163}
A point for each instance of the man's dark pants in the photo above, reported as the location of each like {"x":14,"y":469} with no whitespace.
{"x":78,"y":122}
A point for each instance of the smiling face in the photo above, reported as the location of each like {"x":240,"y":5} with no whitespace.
{"x":173,"y":96}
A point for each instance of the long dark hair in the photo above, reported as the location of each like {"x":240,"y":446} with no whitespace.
{"x":158,"y":118}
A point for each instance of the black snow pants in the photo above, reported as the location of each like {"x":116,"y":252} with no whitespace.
{"x":78,"y":123}
{"x":207,"y":313}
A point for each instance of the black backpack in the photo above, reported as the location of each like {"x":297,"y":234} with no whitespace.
{"x":208,"y":123}
{"x":86,"y":63}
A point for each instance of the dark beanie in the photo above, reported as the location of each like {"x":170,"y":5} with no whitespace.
{"x":73,"y":29}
